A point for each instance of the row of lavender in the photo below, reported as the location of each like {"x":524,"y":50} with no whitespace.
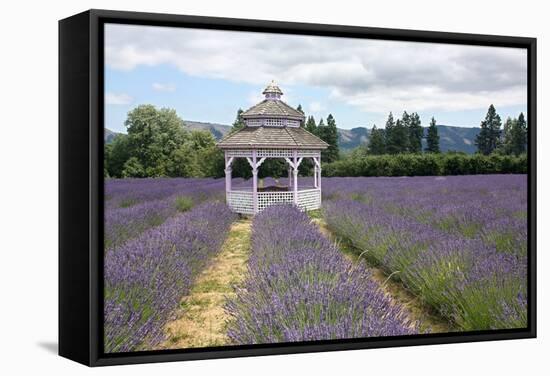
{"x":134,"y":205}
{"x":301,"y":288}
{"x":460,"y":243}
{"x":146,"y":276}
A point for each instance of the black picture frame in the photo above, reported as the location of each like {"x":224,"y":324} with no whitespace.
{"x":81,"y":185}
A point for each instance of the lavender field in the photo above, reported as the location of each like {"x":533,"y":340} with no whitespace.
{"x":457,"y":243}
{"x":301,"y":288}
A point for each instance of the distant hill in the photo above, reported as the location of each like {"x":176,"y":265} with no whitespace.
{"x":351,"y":138}
{"x":456,"y":138}
{"x":450,"y":137}
{"x":217,"y":130}
{"x":109,"y":135}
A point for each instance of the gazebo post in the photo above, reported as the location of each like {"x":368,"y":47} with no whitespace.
{"x":319,"y":177}
{"x":314,"y":172}
{"x":228,"y":170}
{"x":254,"y":182}
{"x":295,"y":177}
{"x":317,"y":173}
{"x":289,"y":177}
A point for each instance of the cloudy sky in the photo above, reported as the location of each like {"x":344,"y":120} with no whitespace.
{"x":208,"y":75}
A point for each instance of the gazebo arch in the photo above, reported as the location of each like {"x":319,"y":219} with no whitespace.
{"x":272,"y":130}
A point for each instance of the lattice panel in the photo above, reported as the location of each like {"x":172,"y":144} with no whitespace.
{"x":309,"y":153}
{"x":272,"y":123}
{"x":266,"y":199}
{"x":238,"y":153}
{"x":275,"y":153}
{"x":309,"y":199}
{"x":240,"y":202}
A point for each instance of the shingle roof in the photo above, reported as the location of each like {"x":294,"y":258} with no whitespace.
{"x":269,"y":137}
{"x":272,"y":107}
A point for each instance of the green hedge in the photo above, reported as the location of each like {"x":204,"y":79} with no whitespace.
{"x":427,"y":164}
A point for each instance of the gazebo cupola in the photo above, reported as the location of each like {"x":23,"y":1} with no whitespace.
{"x":273,"y":129}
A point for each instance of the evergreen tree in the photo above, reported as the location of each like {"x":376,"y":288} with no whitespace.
{"x":416,"y":132}
{"x":397,"y":137}
{"x":331,"y":138}
{"x":239,"y":122}
{"x":301,"y":110}
{"x":432,"y":139}
{"x":322,"y":134}
{"x":377,"y":143}
{"x":389,"y":130}
{"x":310,"y":125}
{"x":519,"y":135}
{"x":488,"y":138}
{"x":406,"y":123}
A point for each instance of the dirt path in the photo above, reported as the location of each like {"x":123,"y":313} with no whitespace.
{"x":202,"y":321}
{"x":416,"y":309}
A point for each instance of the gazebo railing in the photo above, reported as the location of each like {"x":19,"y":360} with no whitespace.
{"x":242,"y":201}
{"x":309,"y":199}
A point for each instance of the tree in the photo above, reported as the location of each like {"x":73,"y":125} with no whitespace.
{"x":310,"y":125}
{"x":389,"y":129}
{"x":239,"y":122}
{"x":153,"y":137}
{"x":519,"y":135}
{"x":116,"y":155}
{"x":488,"y":138}
{"x":396,"y":136}
{"x":133,"y":169}
{"x":301,"y":110}
{"x":331,"y":138}
{"x":507,"y":141}
{"x":416,"y":132}
{"x":377,"y":143}
{"x":432,"y":140}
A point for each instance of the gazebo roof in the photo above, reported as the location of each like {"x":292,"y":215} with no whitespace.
{"x":272,"y":108}
{"x":272,"y":137}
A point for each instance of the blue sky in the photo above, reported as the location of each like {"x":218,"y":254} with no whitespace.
{"x":208,"y":75}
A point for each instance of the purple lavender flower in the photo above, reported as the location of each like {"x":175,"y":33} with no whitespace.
{"x":458,"y":242}
{"x":301,"y":288}
{"x":146,"y":277}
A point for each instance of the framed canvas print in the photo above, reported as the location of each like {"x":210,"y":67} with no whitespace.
{"x":238,"y":187}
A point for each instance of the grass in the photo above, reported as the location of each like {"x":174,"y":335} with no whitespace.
{"x":183,"y":203}
{"x":202,"y":321}
{"x":127,"y":202}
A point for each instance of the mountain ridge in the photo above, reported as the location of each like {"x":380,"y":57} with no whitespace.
{"x":451,"y":138}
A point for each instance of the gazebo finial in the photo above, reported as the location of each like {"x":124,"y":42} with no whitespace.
{"x":272,"y":91}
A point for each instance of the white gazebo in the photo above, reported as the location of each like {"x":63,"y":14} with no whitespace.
{"x":272,"y":129}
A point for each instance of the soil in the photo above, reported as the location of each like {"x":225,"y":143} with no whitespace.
{"x":201,"y":318}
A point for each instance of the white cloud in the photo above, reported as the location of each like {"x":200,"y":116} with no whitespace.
{"x":373,"y":75}
{"x":167,"y":87}
{"x":315,"y":107}
{"x":118,"y":99}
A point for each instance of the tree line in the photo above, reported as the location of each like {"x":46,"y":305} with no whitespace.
{"x":403,"y":135}
{"x":397,"y":150}
{"x":510,"y":140}
{"x":158,"y":144}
